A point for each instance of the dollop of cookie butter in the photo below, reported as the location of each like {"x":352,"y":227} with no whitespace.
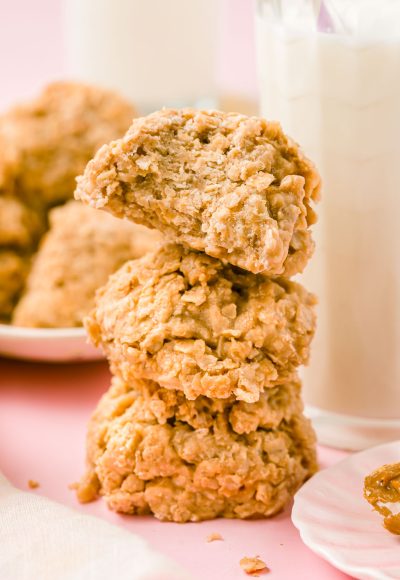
{"x":382,"y":487}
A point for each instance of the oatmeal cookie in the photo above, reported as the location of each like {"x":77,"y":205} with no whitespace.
{"x":150,"y":450}
{"x":82,"y":248}
{"x":234,"y":187}
{"x":46,"y":143}
{"x":13,"y":272}
{"x":20,"y":226}
{"x":190,"y":322}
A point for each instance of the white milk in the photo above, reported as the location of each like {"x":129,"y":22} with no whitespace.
{"x":339,"y":97}
{"x":156,"y":52}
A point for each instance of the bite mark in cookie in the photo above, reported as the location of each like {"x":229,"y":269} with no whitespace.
{"x":234,"y":187}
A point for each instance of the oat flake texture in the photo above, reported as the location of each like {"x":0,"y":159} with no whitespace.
{"x":191,"y":323}
{"x":150,"y":450}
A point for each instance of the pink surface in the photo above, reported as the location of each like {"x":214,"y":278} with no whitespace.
{"x":43,"y":414}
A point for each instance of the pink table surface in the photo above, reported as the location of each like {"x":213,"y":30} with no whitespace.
{"x":43,"y":414}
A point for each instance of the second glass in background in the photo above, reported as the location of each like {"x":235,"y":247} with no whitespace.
{"x":155,"y":52}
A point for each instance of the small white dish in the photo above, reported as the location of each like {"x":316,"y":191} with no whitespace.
{"x":337,"y":523}
{"x":47,"y":344}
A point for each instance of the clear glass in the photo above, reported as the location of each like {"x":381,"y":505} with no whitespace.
{"x":156,"y":52}
{"x":330,"y":73}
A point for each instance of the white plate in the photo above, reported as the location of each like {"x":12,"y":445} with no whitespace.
{"x":46,"y":344}
{"x":337,"y":523}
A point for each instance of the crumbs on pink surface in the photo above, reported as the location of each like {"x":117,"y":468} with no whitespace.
{"x":214,"y":537}
{"x":253,"y":565}
{"x":33,"y":484}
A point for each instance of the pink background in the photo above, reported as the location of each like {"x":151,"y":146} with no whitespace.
{"x":44,"y":408}
{"x":31,"y":47}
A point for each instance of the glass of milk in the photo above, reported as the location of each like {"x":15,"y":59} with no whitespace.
{"x":330,"y":73}
{"x":155,"y":52}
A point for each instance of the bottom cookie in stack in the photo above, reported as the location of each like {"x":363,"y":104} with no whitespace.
{"x":150,"y":450}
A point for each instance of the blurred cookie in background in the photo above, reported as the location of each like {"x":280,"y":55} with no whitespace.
{"x":76,"y":256}
{"x":20,"y":226}
{"x":20,"y":230}
{"x":47,"y":142}
{"x":13,"y":272}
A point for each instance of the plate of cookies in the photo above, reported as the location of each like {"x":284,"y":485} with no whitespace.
{"x":54,"y":251}
{"x":350,"y":513}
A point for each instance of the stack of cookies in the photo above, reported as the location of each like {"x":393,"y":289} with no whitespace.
{"x":205,"y":334}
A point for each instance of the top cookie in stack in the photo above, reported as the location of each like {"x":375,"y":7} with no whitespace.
{"x":232,"y":186}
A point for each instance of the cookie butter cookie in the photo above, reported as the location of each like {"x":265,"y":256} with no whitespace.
{"x":382,"y":491}
{"x":82,"y":248}
{"x":46,"y":143}
{"x":235,"y":187}
{"x":190,"y":322}
{"x":152,"y":451}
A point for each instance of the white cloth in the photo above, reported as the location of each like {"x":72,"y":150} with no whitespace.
{"x":43,"y":540}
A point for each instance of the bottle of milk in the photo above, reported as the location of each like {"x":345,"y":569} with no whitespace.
{"x":330,"y":73}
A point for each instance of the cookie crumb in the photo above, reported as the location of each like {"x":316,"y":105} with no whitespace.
{"x":214,"y":537}
{"x":33,"y":484}
{"x":87,"y":489}
{"x":253,"y":565}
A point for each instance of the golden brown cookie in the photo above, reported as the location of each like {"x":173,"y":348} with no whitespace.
{"x":47,"y":142}
{"x":20,"y":226}
{"x":13,"y":272}
{"x":234,"y":187}
{"x":150,"y":450}
{"x":82,"y":248}
{"x":189,"y":322}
